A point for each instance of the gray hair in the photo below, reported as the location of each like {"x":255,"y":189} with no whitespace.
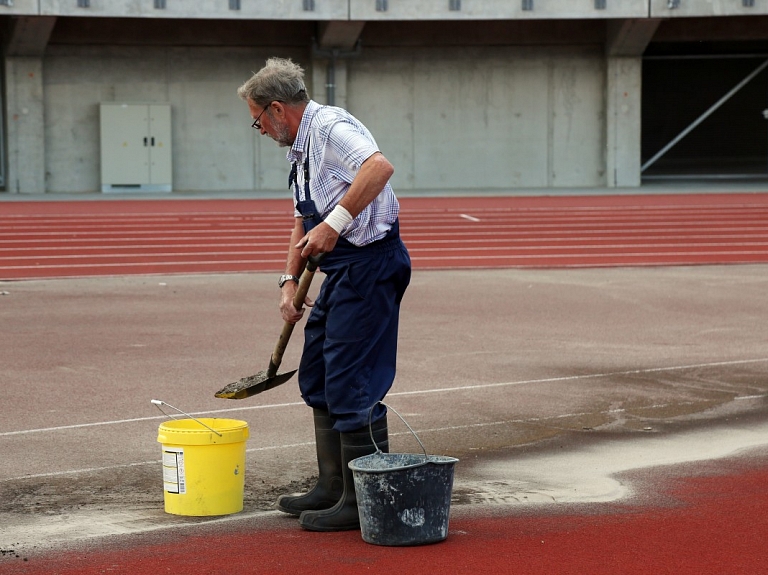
{"x":280,"y":80}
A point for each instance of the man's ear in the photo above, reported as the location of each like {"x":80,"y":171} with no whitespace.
{"x":278,"y":109}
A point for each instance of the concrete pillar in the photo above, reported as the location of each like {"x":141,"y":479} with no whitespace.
{"x":26,"y":40}
{"x":26,"y":125}
{"x":320,"y":81}
{"x":337,"y":41}
{"x":623,"y":121}
{"x":626,"y":41}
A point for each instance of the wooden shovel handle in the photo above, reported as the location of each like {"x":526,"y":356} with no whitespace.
{"x":298,"y":302}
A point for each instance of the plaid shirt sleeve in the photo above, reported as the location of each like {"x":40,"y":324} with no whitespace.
{"x":340,"y":144}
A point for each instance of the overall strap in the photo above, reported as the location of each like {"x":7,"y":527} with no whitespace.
{"x":292,"y":178}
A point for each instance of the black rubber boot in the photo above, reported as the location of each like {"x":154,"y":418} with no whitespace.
{"x":344,"y":516}
{"x":330,"y":482}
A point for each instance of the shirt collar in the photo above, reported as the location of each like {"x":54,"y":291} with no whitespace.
{"x":296,"y":152}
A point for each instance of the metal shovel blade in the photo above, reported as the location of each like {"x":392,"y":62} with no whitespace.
{"x":253,"y":384}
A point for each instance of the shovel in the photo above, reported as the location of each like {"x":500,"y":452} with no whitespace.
{"x":269,"y":378}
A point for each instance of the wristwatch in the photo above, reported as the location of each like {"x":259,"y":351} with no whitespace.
{"x":286,"y":278}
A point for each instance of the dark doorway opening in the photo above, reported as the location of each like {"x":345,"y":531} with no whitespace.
{"x":730,"y":142}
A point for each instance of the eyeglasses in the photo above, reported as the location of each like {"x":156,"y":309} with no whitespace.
{"x":256,"y":123}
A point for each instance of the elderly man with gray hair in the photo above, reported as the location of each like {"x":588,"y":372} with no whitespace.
{"x":346,"y":209}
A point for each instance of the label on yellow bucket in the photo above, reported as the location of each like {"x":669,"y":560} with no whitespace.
{"x":174,"y":476}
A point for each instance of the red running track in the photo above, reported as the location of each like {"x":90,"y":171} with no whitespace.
{"x":89,"y":238}
{"x":706,"y":525}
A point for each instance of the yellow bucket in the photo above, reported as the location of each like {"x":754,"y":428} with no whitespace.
{"x":203,"y":465}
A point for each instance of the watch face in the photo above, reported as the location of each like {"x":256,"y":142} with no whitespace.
{"x":283,"y":279}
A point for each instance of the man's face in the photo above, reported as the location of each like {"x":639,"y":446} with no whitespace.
{"x":270,"y":123}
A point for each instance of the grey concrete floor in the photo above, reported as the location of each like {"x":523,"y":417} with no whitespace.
{"x":546,"y":384}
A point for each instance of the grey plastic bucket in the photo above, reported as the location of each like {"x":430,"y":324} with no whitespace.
{"x":403,"y":499}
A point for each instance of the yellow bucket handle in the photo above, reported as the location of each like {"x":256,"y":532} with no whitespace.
{"x":158,"y":403}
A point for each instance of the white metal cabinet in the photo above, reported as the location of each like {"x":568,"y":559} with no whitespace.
{"x":136,"y":147}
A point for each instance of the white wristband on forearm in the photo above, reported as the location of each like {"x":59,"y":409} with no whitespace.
{"x":339,"y":218}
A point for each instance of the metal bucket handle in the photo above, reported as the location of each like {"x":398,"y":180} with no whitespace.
{"x":158,"y":403}
{"x":370,"y":428}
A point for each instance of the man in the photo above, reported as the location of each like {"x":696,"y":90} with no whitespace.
{"x":344,"y":208}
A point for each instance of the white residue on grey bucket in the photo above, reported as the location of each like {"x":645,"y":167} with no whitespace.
{"x":386,"y":489}
{"x":412,"y":517}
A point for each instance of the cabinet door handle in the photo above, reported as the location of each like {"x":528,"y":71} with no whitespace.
{"x":153,"y":140}
{"x":145,"y":142}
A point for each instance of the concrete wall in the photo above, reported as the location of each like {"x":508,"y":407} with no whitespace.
{"x":495,"y":9}
{"x":484,"y":117}
{"x":688,"y":8}
{"x":25,"y":124}
{"x":395,"y":9}
{"x":623,"y":108}
{"x":266,"y":9}
{"x":448,"y":119}
{"x":214,"y":147}
{"x":486,"y":97}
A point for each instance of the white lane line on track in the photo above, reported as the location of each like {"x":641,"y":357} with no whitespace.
{"x":564,"y":220}
{"x":140,"y":463}
{"x":60,"y":246}
{"x":504,"y":248}
{"x":407,"y":209}
{"x":148,"y":264}
{"x":86,"y":218}
{"x":115,"y":243}
{"x":487,"y":230}
{"x":415,"y":256}
{"x":81,"y":256}
{"x":519,"y":237}
{"x":573,"y":226}
{"x":407,"y":393}
{"x":747,"y":397}
{"x":546,"y":244}
{"x":118,"y":227}
{"x":137,"y":419}
{"x":109,"y":230}
{"x":716,"y":208}
{"x":149,"y":216}
{"x":15,"y":245}
{"x":596,"y":218}
{"x":530,"y":420}
{"x":413,"y":237}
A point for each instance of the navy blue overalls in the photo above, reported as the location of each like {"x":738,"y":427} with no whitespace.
{"x":350,"y":339}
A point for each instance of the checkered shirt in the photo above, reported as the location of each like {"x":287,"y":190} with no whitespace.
{"x":340,"y":144}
